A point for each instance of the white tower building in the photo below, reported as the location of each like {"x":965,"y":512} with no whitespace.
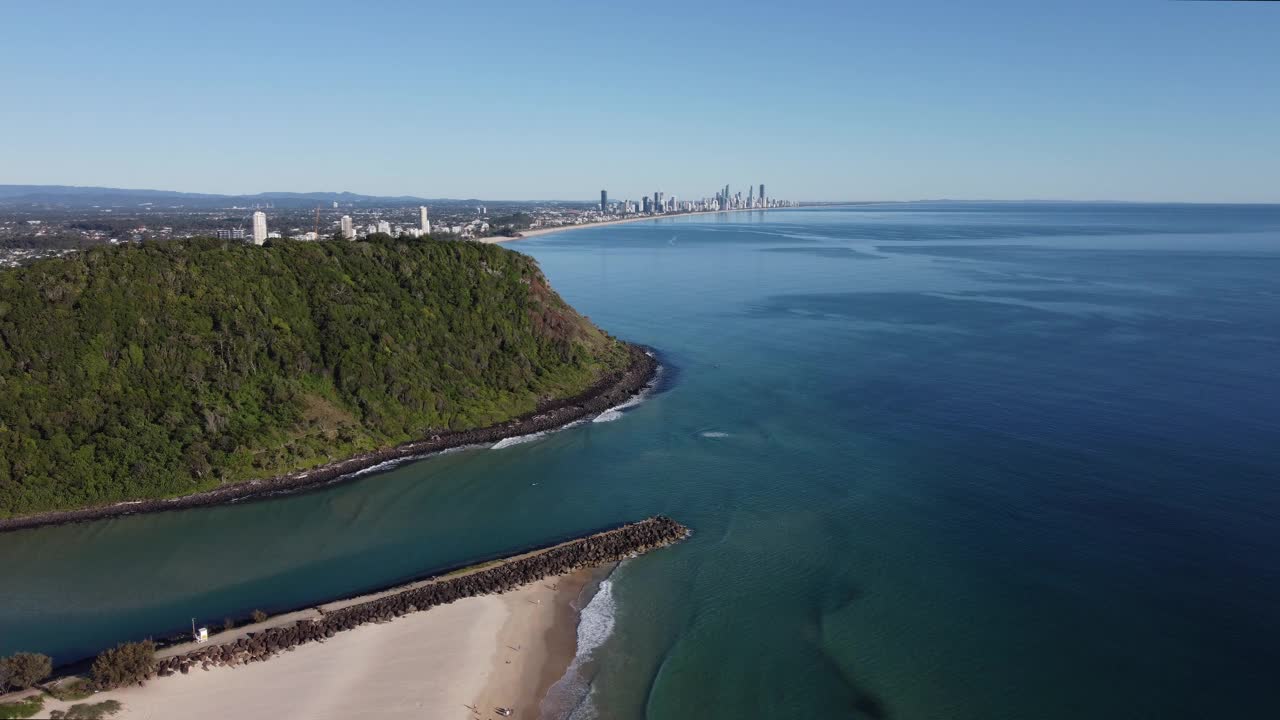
{"x":348,"y":232}
{"x":259,"y":227}
{"x":424,"y":223}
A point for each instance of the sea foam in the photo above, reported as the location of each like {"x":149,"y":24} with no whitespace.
{"x":617,"y":411}
{"x":517,"y":440}
{"x":570,"y":696}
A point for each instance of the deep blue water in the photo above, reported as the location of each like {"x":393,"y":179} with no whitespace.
{"x":942,"y":461}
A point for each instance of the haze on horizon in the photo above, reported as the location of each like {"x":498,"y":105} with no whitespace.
{"x":502,"y":100}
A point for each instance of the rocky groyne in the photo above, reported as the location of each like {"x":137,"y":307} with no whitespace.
{"x":611,"y":390}
{"x":604,"y":547}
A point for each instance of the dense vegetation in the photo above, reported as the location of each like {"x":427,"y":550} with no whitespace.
{"x":23,"y":670}
{"x":156,"y":370}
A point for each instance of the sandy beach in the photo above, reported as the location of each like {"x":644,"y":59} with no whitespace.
{"x":526,"y":234}
{"x":461,"y":660}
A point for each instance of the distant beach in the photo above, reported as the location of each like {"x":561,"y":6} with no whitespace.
{"x":525,"y":234}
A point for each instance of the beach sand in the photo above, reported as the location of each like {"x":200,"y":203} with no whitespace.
{"x":482,"y":652}
{"x":526,"y":234}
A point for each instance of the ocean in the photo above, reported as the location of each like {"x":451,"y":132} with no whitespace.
{"x":942,"y":460}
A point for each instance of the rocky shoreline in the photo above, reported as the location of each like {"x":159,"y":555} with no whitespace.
{"x":612,"y":390}
{"x":604,"y":547}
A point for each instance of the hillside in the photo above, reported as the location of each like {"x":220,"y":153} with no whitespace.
{"x":166,"y":369}
{"x":82,"y":197}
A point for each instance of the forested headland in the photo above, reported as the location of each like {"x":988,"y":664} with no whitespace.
{"x":164,"y":369}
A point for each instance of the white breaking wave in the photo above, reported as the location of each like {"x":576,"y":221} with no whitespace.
{"x":616,"y":411}
{"x":570,"y":697}
{"x":521,"y":439}
{"x":517,"y":440}
{"x":595,"y":625}
{"x":715,"y":434}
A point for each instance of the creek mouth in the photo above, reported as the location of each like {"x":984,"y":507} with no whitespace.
{"x":608,"y":392}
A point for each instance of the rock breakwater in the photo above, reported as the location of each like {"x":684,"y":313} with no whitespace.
{"x":597,"y":549}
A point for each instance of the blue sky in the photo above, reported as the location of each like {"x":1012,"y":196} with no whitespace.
{"x":556,"y":99}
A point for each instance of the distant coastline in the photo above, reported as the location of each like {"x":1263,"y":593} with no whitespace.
{"x":609,"y":391}
{"x":561,"y":228}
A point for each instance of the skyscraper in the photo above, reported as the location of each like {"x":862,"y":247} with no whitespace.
{"x":762,"y":202}
{"x":604,"y":201}
{"x":259,"y":227}
{"x":424,"y":223}
{"x":348,"y":232}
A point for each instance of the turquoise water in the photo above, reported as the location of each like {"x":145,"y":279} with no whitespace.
{"x":942,"y":461}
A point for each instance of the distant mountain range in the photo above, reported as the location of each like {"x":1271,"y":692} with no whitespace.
{"x":75,"y":196}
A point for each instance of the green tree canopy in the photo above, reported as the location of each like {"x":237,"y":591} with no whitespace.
{"x":156,"y":370}
{"x":23,"y":670}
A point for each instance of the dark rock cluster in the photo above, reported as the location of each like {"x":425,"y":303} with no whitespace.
{"x":611,"y":390}
{"x":609,"y":546}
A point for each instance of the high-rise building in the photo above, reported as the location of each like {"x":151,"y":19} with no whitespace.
{"x":657,"y":202}
{"x":233,"y":234}
{"x":259,"y":227}
{"x":762,"y":202}
{"x":384,"y":227}
{"x":604,"y":201}
{"x":424,"y":223}
{"x":348,"y":232}
{"x":645,"y":204}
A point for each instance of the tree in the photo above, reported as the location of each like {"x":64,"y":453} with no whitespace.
{"x":23,"y":670}
{"x":125,"y":664}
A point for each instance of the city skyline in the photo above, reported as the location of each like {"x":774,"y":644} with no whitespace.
{"x":542,"y":217}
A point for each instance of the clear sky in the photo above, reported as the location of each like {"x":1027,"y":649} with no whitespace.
{"x":515,"y":99}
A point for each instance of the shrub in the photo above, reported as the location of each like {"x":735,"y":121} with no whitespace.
{"x":69,"y":690}
{"x":259,"y":616}
{"x":23,"y":670}
{"x":85,"y":711}
{"x":125,"y":664}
